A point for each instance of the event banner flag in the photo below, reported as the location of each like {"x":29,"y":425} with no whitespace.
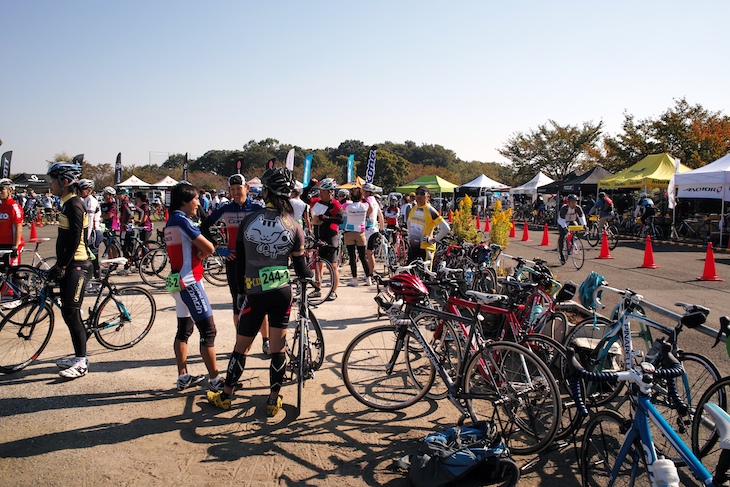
{"x":78,"y":159}
{"x":671,"y":189}
{"x":5,"y":166}
{"x":370,"y":174}
{"x":307,"y":169}
{"x":290,"y":160}
{"x":118,"y":170}
{"x":185,"y":168}
{"x":351,"y":168}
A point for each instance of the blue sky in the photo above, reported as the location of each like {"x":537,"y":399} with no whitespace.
{"x":148,"y":78}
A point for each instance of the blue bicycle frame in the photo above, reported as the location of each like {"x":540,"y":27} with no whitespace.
{"x":645,"y":410}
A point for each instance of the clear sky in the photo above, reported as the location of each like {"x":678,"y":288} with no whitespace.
{"x":148,"y":78}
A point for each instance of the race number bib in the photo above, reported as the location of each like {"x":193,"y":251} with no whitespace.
{"x":273,"y":277}
{"x":172,"y":282}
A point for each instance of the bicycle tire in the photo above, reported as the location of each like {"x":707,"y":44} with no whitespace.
{"x":613,"y":237}
{"x":583,"y":338}
{"x":317,"y":345}
{"x":706,"y":230}
{"x":593,"y":236}
{"x":124,"y":317}
{"x":553,"y":354}
{"x":704,"y":434}
{"x":577,"y":254}
{"x":366,"y":378}
{"x":447,"y":343}
{"x":154,"y":268}
{"x":22,"y":281}
{"x":699,"y":374}
{"x":553,"y":325}
{"x":301,"y":363}
{"x":602,"y":439}
{"x":510,"y":385}
{"x":326,"y":281}
{"x":657,"y":235}
{"x":24,"y":334}
{"x":487,"y":281}
{"x":214,"y":270}
{"x":110,"y":251}
{"x":46,"y":263}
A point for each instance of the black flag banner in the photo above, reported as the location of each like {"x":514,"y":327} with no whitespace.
{"x":185,"y":168}
{"x":118,"y":170}
{"x":78,"y":159}
{"x":5,"y":164}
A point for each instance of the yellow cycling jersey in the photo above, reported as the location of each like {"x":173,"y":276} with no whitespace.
{"x":421,"y":222}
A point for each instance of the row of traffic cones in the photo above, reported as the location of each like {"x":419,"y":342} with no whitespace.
{"x":708,"y":274}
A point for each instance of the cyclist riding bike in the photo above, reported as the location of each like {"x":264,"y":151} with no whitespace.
{"x":568,"y":215}
{"x":604,"y":209}
{"x":645,"y":208}
{"x":11,"y":223}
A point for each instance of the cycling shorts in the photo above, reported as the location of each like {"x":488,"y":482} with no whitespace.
{"x":275,"y":304}
{"x":192,"y":301}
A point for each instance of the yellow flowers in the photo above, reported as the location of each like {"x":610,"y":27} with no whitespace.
{"x":462,"y":225}
{"x":500,"y":221}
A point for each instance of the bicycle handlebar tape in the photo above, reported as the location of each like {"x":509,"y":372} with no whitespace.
{"x":709,"y":273}
{"x":648,"y":255}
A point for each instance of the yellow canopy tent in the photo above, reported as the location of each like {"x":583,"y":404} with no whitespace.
{"x":653,"y":171}
{"x":356,"y":183}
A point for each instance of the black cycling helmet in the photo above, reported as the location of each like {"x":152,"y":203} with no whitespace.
{"x":572,"y":197}
{"x":65,"y":170}
{"x":278,"y":180}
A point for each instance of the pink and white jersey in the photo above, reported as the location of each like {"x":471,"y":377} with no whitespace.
{"x":180,"y":233}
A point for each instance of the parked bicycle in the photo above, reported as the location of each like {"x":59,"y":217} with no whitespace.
{"x":694,"y":228}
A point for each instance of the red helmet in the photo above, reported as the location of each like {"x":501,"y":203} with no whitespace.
{"x":408,"y":287}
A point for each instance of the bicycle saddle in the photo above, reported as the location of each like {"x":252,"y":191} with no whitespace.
{"x":487,"y":298}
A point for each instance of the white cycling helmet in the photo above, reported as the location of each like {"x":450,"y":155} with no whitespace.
{"x":327,"y":184}
{"x":110,"y":190}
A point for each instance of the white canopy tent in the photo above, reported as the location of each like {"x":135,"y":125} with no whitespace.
{"x":531,"y":186}
{"x":134,"y":182}
{"x":484,"y":183}
{"x":166,"y":182}
{"x":711,"y":181}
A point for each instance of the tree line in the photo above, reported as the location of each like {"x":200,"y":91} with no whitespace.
{"x":695,"y":135}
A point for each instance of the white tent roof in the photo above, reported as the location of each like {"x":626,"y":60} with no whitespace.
{"x":710,"y":181}
{"x":484,"y":182}
{"x":531,"y":186}
{"x":133,"y":181}
{"x":167,"y":181}
{"x":254,"y":182}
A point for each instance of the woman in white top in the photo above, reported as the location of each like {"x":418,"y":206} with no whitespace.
{"x":356,"y":214}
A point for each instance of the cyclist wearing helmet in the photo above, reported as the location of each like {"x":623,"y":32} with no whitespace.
{"x":603,"y":208}
{"x":569,"y":213}
{"x":301,"y":209}
{"x":356,"y":213}
{"x":187,"y":247}
{"x":374,"y":225}
{"x":422,"y":222}
{"x":48,"y":208}
{"x":11,"y":223}
{"x":125,"y":234}
{"x":645,"y":208}
{"x":232,"y":214}
{"x":73,"y":267}
{"x":94,"y":236}
{"x":326,"y":219}
{"x":267,"y":240}
{"x":392,"y":215}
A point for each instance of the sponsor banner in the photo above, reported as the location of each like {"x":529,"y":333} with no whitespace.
{"x":370,"y":174}
{"x":714,"y":191}
{"x":5,"y":165}
{"x":351,"y":168}
{"x":307,"y":169}
{"x":290,"y":160}
{"x":185,"y":168}
{"x":78,"y":159}
{"x":118,"y":170}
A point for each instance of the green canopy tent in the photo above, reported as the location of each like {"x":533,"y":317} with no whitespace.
{"x":435,"y":185}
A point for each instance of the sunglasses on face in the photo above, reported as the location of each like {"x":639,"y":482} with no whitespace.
{"x":420,"y":193}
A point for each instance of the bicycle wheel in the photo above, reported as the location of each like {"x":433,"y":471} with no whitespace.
{"x":602,"y":441}
{"x":447,"y":343}
{"x":657,"y":235}
{"x":24,"y":333}
{"x":124,"y":317}
{"x":391,"y":262}
{"x":379,"y":378}
{"x":22,"y":281}
{"x":704,"y":434}
{"x":110,"y":250}
{"x":154,"y":267}
{"x":301,"y":362}
{"x":593,"y":236}
{"x":510,"y":385}
{"x":699,"y":374}
{"x":706,"y":230}
{"x":576,"y":254}
{"x":584,"y":338}
{"x":402,"y":251}
{"x":553,"y":325}
{"x":214,"y":270}
{"x":487,"y":281}
{"x":325,"y":277}
{"x":613,"y":237}
{"x":553,"y":354}
{"x":46,"y":263}
{"x":316,"y":340}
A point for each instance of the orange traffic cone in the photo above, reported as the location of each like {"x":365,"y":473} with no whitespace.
{"x":710,"y":274}
{"x":167,"y":214}
{"x":545,"y":237}
{"x":451,"y":216}
{"x":486,"y":224}
{"x":39,"y":219}
{"x":512,"y":233}
{"x":33,"y":233}
{"x":605,"y":252}
{"x":478,"y":223}
{"x":525,"y":234}
{"x":648,"y":255}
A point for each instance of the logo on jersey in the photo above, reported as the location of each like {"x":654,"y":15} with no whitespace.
{"x":271,"y":237}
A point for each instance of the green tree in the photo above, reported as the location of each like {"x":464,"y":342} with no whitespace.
{"x":552,"y":148}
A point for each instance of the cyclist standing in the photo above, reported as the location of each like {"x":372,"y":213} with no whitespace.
{"x":125,"y":235}
{"x":73,"y":267}
{"x":569,"y":213}
{"x":142,"y":216}
{"x":645,"y":208}
{"x":187,"y":247}
{"x":326,"y":219}
{"x":356,"y":213}
{"x":374,"y":226}
{"x":392,"y":215}
{"x":422,"y":221}
{"x":267,"y":239}
{"x":94,"y":236}
{"x":11,"y":223}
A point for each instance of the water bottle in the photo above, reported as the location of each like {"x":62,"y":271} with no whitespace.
{"x":468,"y":276}
{"x":665,"y":473}
{"x":535,"y":313}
